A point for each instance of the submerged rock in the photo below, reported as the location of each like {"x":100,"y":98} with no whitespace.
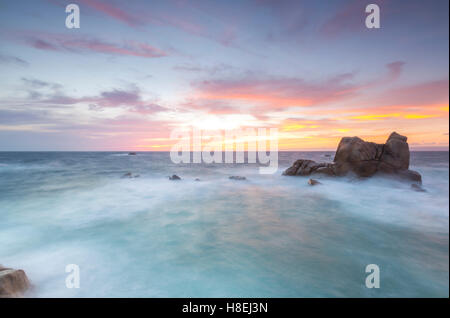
{"x":132,"y":154}
{"x":417,"y":188}
{"x":13,"y":282}
{"x":313,"y":182}
{"x":174,"y":177}
{"x":237,"y":178}
{"x":364,"y":159}
{"x":410,"y":175}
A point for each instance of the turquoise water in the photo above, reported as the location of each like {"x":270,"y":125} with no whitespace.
{"x":269,"y":236}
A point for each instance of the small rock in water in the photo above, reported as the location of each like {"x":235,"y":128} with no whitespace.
{"x":132,"y":154}
{"x":130,"y":175}
{"x":417,"y":188}
{"x":313,"y":182}
{"x":174,"y":177}
{"x":237,"y":178}
{"x":13,"y":282}
{"x":197,"y":179}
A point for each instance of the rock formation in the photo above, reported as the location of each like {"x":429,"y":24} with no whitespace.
{"x":174,"y":177}
{"x":362,"y":158}
{"x":13,"y":282}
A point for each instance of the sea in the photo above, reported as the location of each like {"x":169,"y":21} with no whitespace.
{"x":266,"y":236}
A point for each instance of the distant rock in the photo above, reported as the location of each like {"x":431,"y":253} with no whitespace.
{"x":313,"y":182}
{"x":364,"y":159}
{"x":237,"y":178}
{"x":132,"y":154}
{"x":174,"y":177}
{"x":130,"y":175}
{"x":13,"y":282}
{"x":197,"y":179}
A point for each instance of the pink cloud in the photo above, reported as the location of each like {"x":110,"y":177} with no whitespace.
{"x":395,"y":70}
{"x":60,"y":42}
{"x":426,"y":93}
{"x":130,"y":100}
{"x":112,"y":11}
{"x":178,"y":19}
{"x":278,"y":93}
{"x":350,"y":18}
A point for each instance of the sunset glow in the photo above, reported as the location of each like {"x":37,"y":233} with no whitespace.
{"x":131,"y":74}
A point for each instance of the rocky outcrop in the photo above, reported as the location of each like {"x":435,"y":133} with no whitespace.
{"x":304,"y":167}
{"x":13,"y":282}
{"x":174,"y":177}
{"x":362,"y":158}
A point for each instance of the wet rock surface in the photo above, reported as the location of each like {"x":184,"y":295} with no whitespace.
{"x":13,"y":282}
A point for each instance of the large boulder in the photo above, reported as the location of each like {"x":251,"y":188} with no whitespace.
{"x":362,"y":158}
{"x":357,"y":155}
{"x":13,"y":282}
{"x":396,"y":152}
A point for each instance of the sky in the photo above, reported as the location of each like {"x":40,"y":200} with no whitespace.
{"x":137,"y":70}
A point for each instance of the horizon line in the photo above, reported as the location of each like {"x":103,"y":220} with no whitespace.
{"x":143,"y":151}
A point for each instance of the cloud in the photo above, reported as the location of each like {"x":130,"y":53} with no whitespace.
{"x":131,"y":100}
{"x":79,"y":44}
{"x":36,"y":83}
{"x":277,"y":93}
{"x":349,"y":18}
{"x":112,"y":11}
{"x":178,"y":16}
{"x":395,"y":70}
{"x":18,"y":117}
{"x":8,"y":59}
{"x":210,"y":70}
{"x":425,"y":93}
